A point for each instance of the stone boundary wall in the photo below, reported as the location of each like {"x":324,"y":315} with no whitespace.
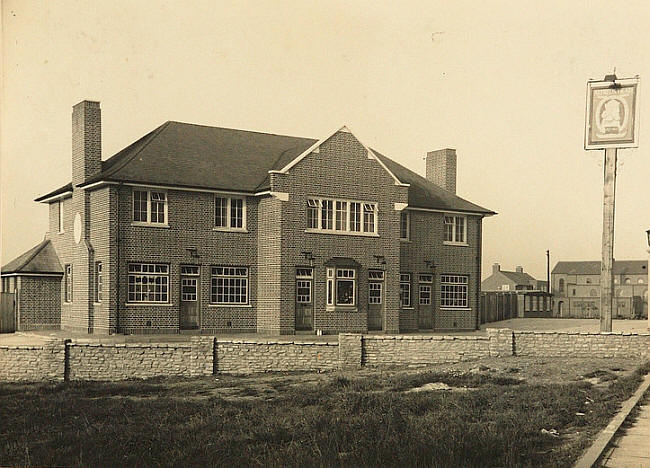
{"x":378,"y":350}
{"x":206,"y":355}
{"x":251,"y":356}
{"x":31,"y":363}
{"x":580,"y":344}
{"x":119,"y":361}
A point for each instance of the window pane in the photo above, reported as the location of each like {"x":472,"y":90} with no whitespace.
{"x":368,"y":217}
{"x":312,"y":216}
{"x":374,"y":293}
{"x":236,"y":213}
{"x":158,"y":200}
{"x":341,"y":215}
{"x":220,"y":212}
{"x":345,"y":292}
{"x":403,"y":226}
{"x":327,"y":215}
{"x":460,"y":229}
{"x":355,"y":216}
{"x":140,"y":205}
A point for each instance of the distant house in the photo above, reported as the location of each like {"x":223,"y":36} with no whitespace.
{"x":518,"y":280}
{"x":576,"y":287}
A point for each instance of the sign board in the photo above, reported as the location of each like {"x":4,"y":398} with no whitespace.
{"x":612,"y":118}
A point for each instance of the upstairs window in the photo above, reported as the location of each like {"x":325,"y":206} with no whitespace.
{"x":455,"y":229}
{"x":404,"y":225}
{"x":150,"y":207}
{"x":229,"y":213}
{"x":343,"y":216}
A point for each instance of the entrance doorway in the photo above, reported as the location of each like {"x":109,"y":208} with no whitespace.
{"x":376,"y":300}
{"x":304,"y":299}
{"x":189,"y":301}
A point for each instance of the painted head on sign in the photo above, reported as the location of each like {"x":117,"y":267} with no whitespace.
{"x":610,"y":116}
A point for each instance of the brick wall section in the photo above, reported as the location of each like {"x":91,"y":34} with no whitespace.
{"x":38,"y":304}
{"x":33,"y":363}
{"x":252,"y":356}
{"x":97,"y":361}
{"x":564,"y":344}
{"x":381,"y":350}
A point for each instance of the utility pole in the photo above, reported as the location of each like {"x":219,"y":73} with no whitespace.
{"x":607,"y":263}
{"x":548,"y":272}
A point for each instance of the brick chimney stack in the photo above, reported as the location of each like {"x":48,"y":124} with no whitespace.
{"x":496,"y":268}
{"x":519,"y":269}
{"x":441,"y":168}
{"x":86,"y":141}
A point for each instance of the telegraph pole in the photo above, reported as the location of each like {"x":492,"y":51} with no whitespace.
{"x":548,"y":271}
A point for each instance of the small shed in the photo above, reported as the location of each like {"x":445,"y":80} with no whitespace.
{"x":31,"y":286}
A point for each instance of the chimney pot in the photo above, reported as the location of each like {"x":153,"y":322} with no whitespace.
{"x":519,"y":269}
{"x":496,"y":267}
{"x":441,"y":168}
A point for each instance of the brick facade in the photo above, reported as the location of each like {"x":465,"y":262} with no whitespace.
{"x":35,"y":306}
{"x":274,"y":243}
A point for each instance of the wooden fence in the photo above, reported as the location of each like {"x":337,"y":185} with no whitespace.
{"x":496,"y":306}
{"x":7,"y":312}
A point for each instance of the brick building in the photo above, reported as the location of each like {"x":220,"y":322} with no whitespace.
{"x":533,"y":300}
{"x":220,"y":230}
{"x":576,"y":288}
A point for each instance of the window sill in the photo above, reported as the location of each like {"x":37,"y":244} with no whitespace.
{"x":224,"y":229}
{"x":157,"y":225}
{"x":341,"y":308}
{"x":148,"y":304}
{"x":97,"y":303}
{"x":407,"y":241}
{"x":455,"y":308}
{"x":61,"y":232}
{"x":241,"y":306}
{"x":341,"y":233}
{"x":407,"y":308}
{"x":457,"y":244}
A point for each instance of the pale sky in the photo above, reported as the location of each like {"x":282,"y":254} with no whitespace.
{"x":502,"y":82}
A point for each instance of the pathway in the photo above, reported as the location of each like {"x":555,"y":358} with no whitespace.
{"x":632,"y":448}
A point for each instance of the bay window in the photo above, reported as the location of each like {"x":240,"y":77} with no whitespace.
{"x":341,"y":286}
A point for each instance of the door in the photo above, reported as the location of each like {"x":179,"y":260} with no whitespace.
{"x":376,"y":300}
{"x":304,"y":299}
{"x":189,"y":303}
{"x":425,"y":302}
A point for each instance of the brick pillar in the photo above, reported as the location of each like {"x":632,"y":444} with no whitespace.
{"x":501,"y":342}
{"x":350,"y":350}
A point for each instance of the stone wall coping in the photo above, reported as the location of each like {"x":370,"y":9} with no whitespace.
{"x":426,"y":337}
{"x":263,"y":342}
{"x":547,"y":332}
{"x":33,"y":347}
{"x":130,"y":345}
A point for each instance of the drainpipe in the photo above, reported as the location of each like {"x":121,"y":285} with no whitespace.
{"x":118,"y":240}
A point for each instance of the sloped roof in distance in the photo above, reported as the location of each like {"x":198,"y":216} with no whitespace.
{"x":621,"y":267}
{"x":39,"y":259}
{"x":197,"y":156}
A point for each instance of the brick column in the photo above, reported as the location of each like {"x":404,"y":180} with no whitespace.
{"x":501,"y":342}
{"x":350,"y":349}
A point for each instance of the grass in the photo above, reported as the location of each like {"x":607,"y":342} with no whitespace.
{"x":337,"y":419}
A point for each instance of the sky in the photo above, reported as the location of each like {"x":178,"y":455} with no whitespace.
{"x":501,"y":82}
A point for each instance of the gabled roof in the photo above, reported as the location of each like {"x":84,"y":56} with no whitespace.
{"x":39,"y":259}
{"x":196,"y":156}
{"x":621,"y":267}
{"x":519,"y":278}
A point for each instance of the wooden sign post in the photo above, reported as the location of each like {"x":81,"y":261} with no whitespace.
{"x":612,"y":122}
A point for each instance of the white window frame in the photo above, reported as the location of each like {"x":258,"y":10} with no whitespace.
{"x":239,"y":273}
{"x":304,"y":280}
{"x":99,"y":280}
{"x":229,"y":226}
{"x":405,"y":215}
{"x":424,"y":287}
{"x":452,"y":220}
{"x":341,"y":221}
{"x":60,"y":216}
{"x":148,"y":222}
{"x":454,"y":291}
{"x":375,"y":286}
{"x":405,"y":285}
{"x":68,"y":283}
{"x":152,"y":271}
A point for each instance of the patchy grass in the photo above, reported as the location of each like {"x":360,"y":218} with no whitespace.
{"x":363,"y":418}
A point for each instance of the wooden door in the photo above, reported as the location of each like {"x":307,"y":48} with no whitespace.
{"x":376,"y":300}
{"x":189,"y":301}
{"x":7,"y":312}
{"x":304,"y":299}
